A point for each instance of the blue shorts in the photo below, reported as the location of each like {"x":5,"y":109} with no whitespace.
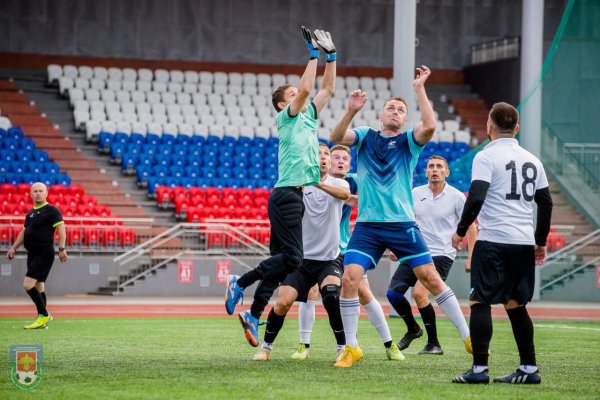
{"x":370,"y":240}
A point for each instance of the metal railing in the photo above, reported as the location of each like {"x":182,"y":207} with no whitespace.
{"x":581,"y":159}
{"x":235,"y":235}
{"x":88,"y":234}
{"x":494,"y":50}
{"x":556,"y":262}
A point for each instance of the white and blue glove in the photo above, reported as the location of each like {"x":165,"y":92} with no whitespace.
{"x":311,"y":44}
{"x":324,"y":40}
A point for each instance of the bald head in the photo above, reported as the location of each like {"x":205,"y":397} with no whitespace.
{"x":39,"y":192}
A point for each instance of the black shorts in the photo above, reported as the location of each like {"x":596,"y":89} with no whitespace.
{"x":501,"y":272}
{"x":310,"y":273}
{"x":39,"y":263}
{"x":405,"y":278}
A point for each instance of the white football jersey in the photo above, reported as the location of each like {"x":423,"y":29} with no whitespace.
{"x":514,"y":175}
{"x":438,"y":216}
{"x":321,"y":222}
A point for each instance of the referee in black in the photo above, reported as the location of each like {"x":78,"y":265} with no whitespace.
{"x":38,"y":237}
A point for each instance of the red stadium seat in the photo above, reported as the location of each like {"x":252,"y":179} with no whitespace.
{"x":181,"y":206}
{"x":75,"y":190}
{"x":102,"y":211}
{"x":91,"y":236}
{"x":88,"y":200}
{"x":246,"y":203}
{"x":5,"y":235}
{"x":126,"y":237}
{"x":71,"y":200}
{"x":261,"y":202}
{"x":109,"y":237}
{"x":212,"y":193}
{"x":7,"y":189}
{"x":74,"y":236}
{"x":229,"y":193}
{"x":196,"y":192}
{"x":58,"y":191}
{"x":164,"y":195}
{"x":230,"y":203}
{"x":260,"y":193}
{"x":244,"y":193}
{"x":195,"y":214}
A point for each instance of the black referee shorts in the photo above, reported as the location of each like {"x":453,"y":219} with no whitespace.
{"x":501,"y":272}
{"x":310,"y":273}
{"x":39,"y":263}
{"x":405,"y":278}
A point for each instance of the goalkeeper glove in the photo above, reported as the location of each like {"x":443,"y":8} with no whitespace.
{"x":324,"y":40}
{"x":311,"y":44}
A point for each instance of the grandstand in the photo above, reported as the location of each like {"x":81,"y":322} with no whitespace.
{"x":157,"y":143}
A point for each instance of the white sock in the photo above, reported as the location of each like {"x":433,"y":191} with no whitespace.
{"x":350,"y":311}
{"x":377,"y":318}
{"x":306,"y":320}
{"x":528,"y":369}
{"x":449,"y":305}
{"x":479,"y":368}
{"x":267,"y":346}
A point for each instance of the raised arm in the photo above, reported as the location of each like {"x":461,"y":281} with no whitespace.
{"x":340,"y":133}
{"x":328,"y":83}
{"x":307,"y":81}
{"x":426,"y":127}
{"x":339,"y":192}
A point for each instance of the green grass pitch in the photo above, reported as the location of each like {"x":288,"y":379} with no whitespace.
{"x":209,"y":358}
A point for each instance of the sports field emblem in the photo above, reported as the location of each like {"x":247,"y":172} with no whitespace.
{"x":26,"y":365}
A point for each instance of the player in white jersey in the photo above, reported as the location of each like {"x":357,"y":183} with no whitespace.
{"x":506,"y":180}
{"x":340,"y":165}
{"x":323,"y":204}
{"x":438,"y":207}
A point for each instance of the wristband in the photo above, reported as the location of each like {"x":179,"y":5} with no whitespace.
{"x":330,"y":57}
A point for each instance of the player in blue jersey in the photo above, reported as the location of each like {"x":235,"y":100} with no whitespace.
{"x":340,"y":165}
{"x":386,"y":162}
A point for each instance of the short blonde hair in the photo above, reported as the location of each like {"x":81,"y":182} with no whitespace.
{"x":341,"y":147}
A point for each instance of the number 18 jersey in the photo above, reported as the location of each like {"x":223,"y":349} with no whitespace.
{"x":514,"y":174}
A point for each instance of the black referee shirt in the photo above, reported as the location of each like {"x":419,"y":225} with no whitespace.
{"x":40,"y":223}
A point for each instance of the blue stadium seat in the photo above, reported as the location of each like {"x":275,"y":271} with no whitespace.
{"x":7,"y":155}
{"x":244,"y":141}
{"x":134,"y":148}
{"x":229,"y":141}
{"x":187,"y":182}
{"x":176,"y":171}
{"x":240,"y":172}
{"x":14,"y":133}
{"x":163,"y":159}
{"x":209,"y":161}
{"x":160,"y":170}
{"x":52,"y":168}
{"x":209,"y":172}
{"x":225,"y":151}
{"x":40,"y":156}
{"x":198,"y":140}
{"x":213,"y":141}
{"x":104,"y":141}
{"x":194,"y":161}
{"x":167,"y":139}
{"x":192,"y":171}
{"x":152,"y":138}
{"x":63,"y":179}
{"x":120,"y":137}
{"x":142,"y":172}
{"x":12,"y":178}
{"x":172,"y":181}
{"x":183,"y":140}
{"x":137,"y":138}
{"x":19,"y":167}
{"x":225,"y":161}
{"x":180,"y":149}
{"x":273,"y":142}
{"x":4,"y":167}
{"x":271,"y":173}
{"x":145,"y":159}
{"x":116,"y":149}
{"x":210,"y":151}
{"x":47,"y":179}
{"x":202,"y":182}
{"x":255,"y":173}
{"x":128,"y":163}
{"x":259,"y":142}
{"x":27,"y":144}
{"x":36,"y":167}
{"x":179,"y":160}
